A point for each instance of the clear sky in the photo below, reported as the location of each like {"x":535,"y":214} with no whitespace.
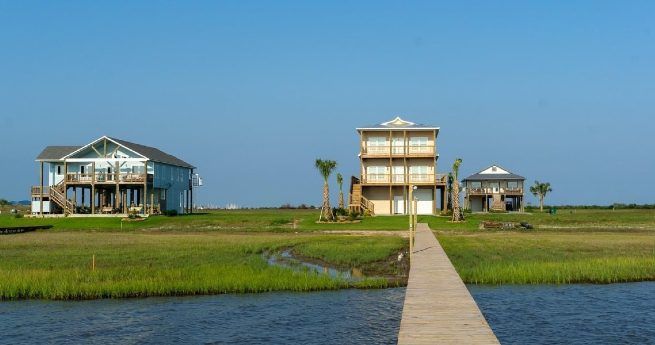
{"x":253,"y":92}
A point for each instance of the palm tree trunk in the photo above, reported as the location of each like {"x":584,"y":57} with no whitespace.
{"x":341,"y":205}
{"x":457,"y":215}
{"x":326,"y":210}
{"x":541,"y":203}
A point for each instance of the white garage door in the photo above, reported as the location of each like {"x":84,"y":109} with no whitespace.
{"x":424,"y":204}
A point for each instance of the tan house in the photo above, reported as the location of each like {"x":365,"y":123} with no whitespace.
{"x":494,"y":189}
{"x":395,"y":156}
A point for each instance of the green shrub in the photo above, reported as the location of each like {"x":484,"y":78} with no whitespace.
{"x":170,"y":213}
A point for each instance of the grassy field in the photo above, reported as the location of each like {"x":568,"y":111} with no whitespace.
{"x":267,"y":220}
{"x":551,"y":257}
{"x":57,"y":265}
{"x":221,"y":252}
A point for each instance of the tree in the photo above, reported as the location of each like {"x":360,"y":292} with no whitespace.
{"x":326,"y":167}
{"x":4,"y":202}
{"x":340,"y":183}
{"x":457,"y":213}
{"x":540,"y":190}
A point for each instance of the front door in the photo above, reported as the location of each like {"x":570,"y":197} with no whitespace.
{"x":398,"y":204}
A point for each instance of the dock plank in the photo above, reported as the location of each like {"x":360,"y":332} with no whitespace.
{"x":438,"y":307}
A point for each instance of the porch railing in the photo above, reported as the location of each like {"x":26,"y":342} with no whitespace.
{"x":397,"y":150}
{"x":108,"y":177}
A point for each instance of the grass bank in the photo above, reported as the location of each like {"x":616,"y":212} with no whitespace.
{"x":551,"y":257}
{"x":58,"y":265}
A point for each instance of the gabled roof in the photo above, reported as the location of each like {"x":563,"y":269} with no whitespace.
{"x":494,"y":172}
{"x":398,"y":123}
{"x":153,"y":154}
{"x":51,"y":153}
{"x":56,"y":152}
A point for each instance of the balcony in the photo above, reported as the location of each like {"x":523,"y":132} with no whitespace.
{"x":489,"y":191}
{"x":108,"y":178}
{"x":36,"y":191}
{"x":401,"y":179}
{"x":398,"y":151}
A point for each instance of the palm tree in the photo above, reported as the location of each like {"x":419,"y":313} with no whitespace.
{"x":340,"y":183}
{"x":457,"y":213}
{"x":325,"y":167}
{"x":540,"y":190}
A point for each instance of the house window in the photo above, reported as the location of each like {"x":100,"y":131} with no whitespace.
{"x":476,"y":184}
{"x":512,"y":185}
{"x":418,"y":141}
{"x":82,"y":169}
{"x":58,"y":169}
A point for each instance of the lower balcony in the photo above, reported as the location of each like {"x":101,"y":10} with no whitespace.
{"x":108,"y":178}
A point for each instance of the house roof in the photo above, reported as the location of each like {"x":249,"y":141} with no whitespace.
{"x":153,"y":154}
{"x":60,"y":152}
{"x":494,"y":172}
{"x":398,"y":123}
{"x":56,"y":152}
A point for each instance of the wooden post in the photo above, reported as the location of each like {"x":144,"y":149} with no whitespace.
{"x":93,"y":263}
{"x":93,"y":188}
{"x":191,"y":190}
{"x":145,"y":188}
{"x":152,"y":202}
{"x":41,"y":192}
{"x":74,"y":199}
{"x":117,"y":196}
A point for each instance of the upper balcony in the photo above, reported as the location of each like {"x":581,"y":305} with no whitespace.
{"x":398,"y":151}
{"x":108,"y":178}
{"x":402,"y":179}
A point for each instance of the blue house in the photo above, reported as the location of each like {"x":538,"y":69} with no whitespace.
{"x":113,"y":177}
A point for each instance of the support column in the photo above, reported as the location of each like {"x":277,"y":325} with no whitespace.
{"x":41,"y":192}
{"x":145,"y":188}
{"x":93,"y":188}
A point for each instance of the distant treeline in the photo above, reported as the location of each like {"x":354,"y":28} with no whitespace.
{"x":617,"y":206}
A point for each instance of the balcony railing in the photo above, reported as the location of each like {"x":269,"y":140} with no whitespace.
{"x":36,"y":190}
{"x":489,"y":190}
{"x":402,"y":178}
{"x":108,"y":177}
{"x":401,"y":150}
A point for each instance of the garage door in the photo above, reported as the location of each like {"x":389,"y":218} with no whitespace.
{"x":476,"y":204}
{"x":424,"y":203}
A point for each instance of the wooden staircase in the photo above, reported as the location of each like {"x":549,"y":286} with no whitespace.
{"x":497,"y":204}
{"x":58,"y":195}
{"x":357,"y":202}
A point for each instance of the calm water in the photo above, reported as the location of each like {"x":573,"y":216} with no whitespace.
{"x":570,"y":314}
{"x":333,"y":317}
{"x":540,"y":314}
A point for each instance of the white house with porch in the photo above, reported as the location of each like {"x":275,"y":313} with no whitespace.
{"x":113,"y":177}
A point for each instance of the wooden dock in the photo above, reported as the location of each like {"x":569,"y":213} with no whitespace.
{"x":438,"y":307}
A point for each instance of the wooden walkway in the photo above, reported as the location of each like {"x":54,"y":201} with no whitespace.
{"x":438,"y":307}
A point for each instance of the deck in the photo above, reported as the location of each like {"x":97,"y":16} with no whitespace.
{"x":438,"y":307}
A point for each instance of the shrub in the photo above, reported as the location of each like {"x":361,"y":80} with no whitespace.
{"x":18,"y":215}
{"x":170,"y":213}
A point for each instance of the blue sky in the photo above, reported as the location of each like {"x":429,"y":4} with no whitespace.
{"x":253,"y":92}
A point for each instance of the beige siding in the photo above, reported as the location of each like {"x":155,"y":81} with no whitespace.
{"x":379,"y":196}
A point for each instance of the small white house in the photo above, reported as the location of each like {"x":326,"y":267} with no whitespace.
{"x":111,"y":176}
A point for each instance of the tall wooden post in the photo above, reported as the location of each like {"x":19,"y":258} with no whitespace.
{"x":117,"y":195}
{"x":41,"y":192}
{"x":74,"y":199}
{"x":145,"y":187}
{"x":93,"y":188}
{"x":191,"y":190}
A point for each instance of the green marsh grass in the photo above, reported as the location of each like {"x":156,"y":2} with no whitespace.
{"x":548,"y":257}
{"x":57,"y":265}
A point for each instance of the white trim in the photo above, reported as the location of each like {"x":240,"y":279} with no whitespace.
{"x":97,"y":140}
{"x":398,"y":122}
{"x":82,"y":160}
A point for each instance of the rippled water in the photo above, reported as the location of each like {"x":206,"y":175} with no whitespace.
{"x":539,"y":314}
{"x":332,"y":317}
{"x":570,"y":314}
